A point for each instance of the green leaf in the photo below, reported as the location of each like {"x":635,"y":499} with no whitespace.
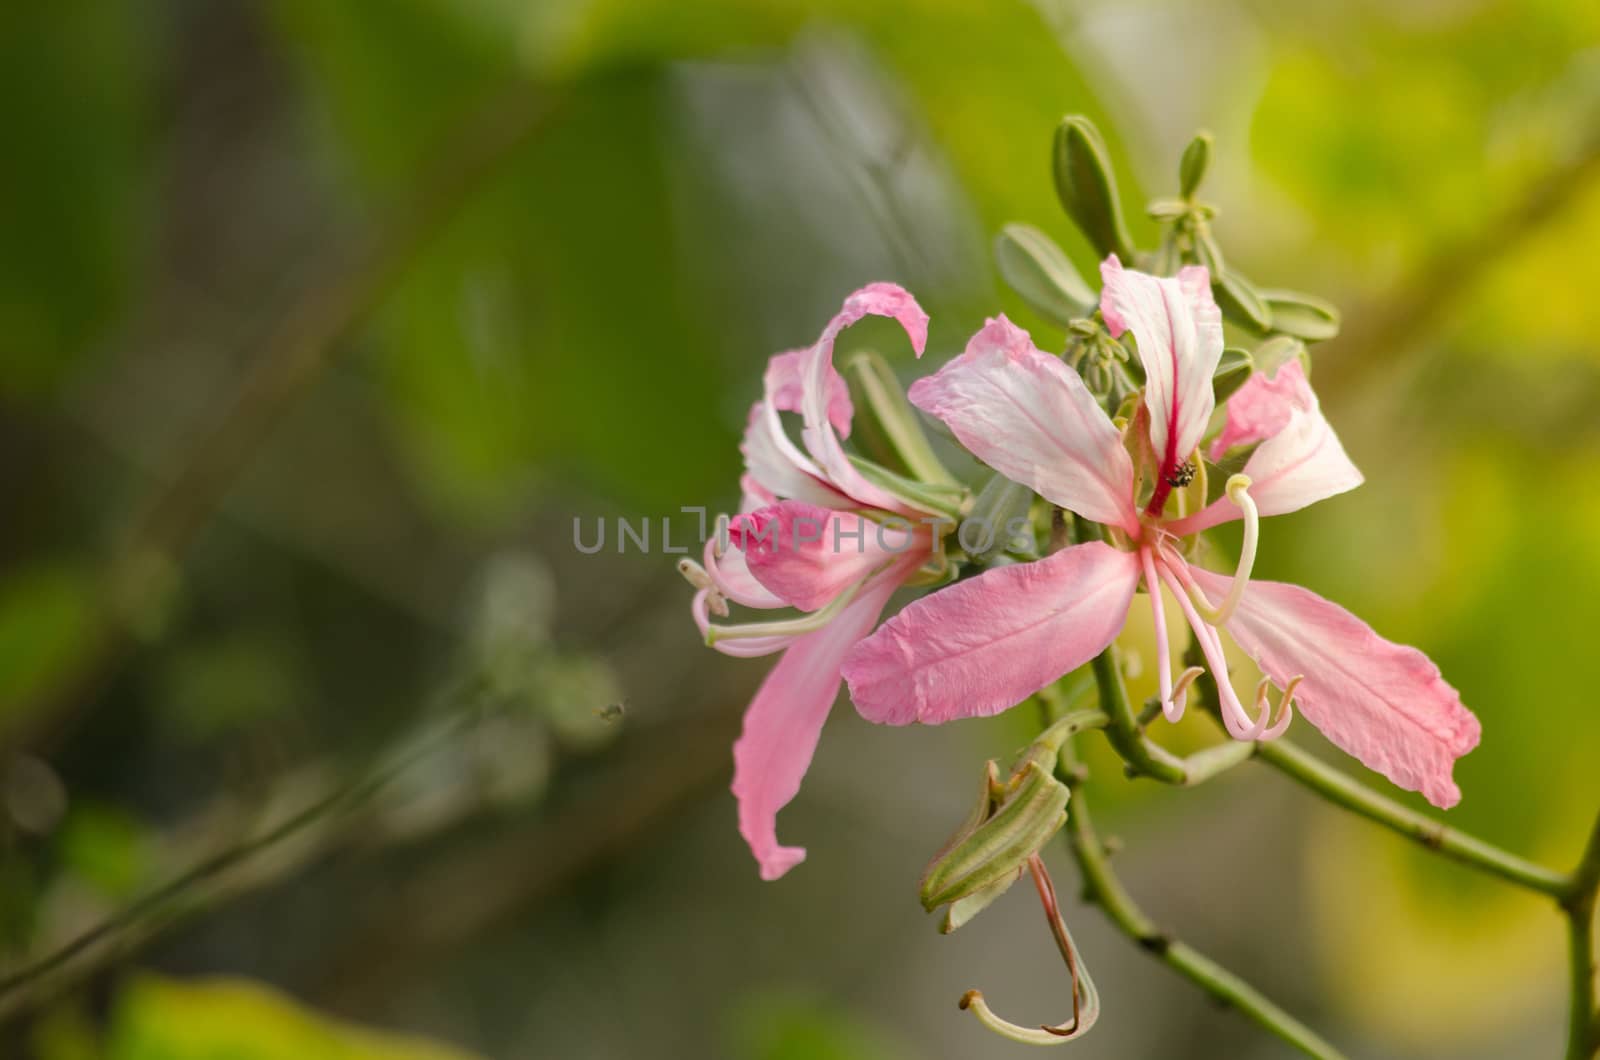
{"x":1304,"y":316}
{"x":47,"y":619}
{"x":1087,"y":187}
{"x":1240,"y":302}
{"x":77,"y":105}
{"x":1233,"y":368}
{"x":1041,"y":273}
{"x":1192,"y":168}
{"x":164,"y":1019}
{"x":1278,"y":351}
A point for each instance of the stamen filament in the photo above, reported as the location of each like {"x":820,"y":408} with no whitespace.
{"x":1234,"y":717}
{"x":1152,"y":587}
{"x":1085,"y":998}
{"x":1285,"y":705}
{"x":1239,"y":492}
{"x":808,"y":623}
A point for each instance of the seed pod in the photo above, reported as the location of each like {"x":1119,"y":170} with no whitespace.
{"x":1088,"y":187}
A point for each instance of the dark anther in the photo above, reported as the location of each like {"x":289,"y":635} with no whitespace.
{"x":1182,"y":476}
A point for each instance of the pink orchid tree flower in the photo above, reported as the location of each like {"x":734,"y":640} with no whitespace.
{"x":984,"y":645}
{"x":816,"y":535}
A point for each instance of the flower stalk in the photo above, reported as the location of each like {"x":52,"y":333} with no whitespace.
{"x":1105,"y":889}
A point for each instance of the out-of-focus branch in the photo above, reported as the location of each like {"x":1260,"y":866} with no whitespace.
{"x":631,"y":789}
{"x":1418,"y":303}
{"x":292,"y":357}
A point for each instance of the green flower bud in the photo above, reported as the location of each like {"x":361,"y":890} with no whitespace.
{"x":1009,"y":824}
{"x":1192,"y":168}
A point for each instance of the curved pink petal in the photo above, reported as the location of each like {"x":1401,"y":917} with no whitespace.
{"x":982,"y":646}
{"x":785,"y":390}
{"x":876,"y":299}
{"x":1384,"y":703}
{"x":806,"y":556}
{"x":1030,"y":417}
{"x":1299,"y":463}
{"x":753,"y":495}
{"x":1261,"y":407}
{"x":731,"y":575}
{"x":778,"y":468}
{"x":1178,"y":328}
{"x":784,"y":721}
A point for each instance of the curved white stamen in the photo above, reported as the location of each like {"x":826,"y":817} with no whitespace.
{"x":1180,"y":689}
{"x":716,"y":602}
{"x":1152,"y":587}
{"x":1234,"y":717}
{"x":808,"y":623}
{"x":1238,"y":490}
{"x":695,"y":574}
{"x":1285,"y":706}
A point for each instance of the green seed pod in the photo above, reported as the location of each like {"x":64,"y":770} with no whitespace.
{"x":1088,"y":187}
{"x":1009,"y":825}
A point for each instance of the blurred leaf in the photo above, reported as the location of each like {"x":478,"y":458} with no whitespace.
{"x":235,"y":1019}
{"x":65,"y":1032}
{"x":1042,"y":274}
{"x":213,"y":685}
{"x":779,"y":1027}
{"x":46,"y":622}
{"x":1233,"y":370}
{"x":1304,"y":316}
{"x":104,"y":846}
{"x":1239,"y":301}
{"x":75,"y":102}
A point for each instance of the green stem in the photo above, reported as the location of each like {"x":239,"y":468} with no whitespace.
{"x":1344,"y":790}
{"x":1104,"y":888}
{"x":1583,"y":1025}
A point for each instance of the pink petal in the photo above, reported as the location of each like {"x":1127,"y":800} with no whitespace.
{"x":775,"y":466}
{"x":731,"y":574}
{"x":1030,"y":417}
{"x":1262,"y":406}
{"x":1179,"y":332}
{"x":1384,"y":703}
{"x":807,"y":555}
{"x":985,"y":645}
{"x":753,"y":495}
{"x":1300,"y":462}
{"x":784,"y":721}
{"x":877,"y":299}
{"x":786,"y":393}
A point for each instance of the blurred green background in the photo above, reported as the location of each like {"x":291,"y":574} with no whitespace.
{"x":322,"y":320}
